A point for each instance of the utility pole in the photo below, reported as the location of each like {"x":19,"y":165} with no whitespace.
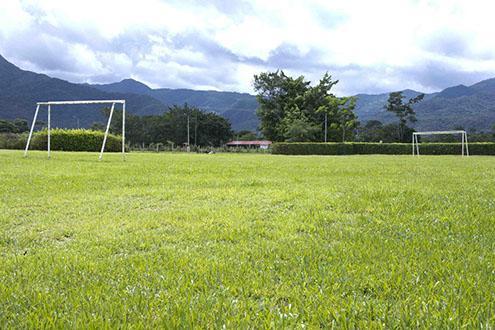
{"x":196,"y":131}
{"x":325,"y":127}
{"x":188,"y":141}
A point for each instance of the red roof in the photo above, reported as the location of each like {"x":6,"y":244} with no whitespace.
{"x":252,"y":143}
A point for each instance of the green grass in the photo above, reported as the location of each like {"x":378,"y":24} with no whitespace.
{"x":186,"y":240}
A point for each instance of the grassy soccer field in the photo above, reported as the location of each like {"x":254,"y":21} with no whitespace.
{"x":242,"y":239}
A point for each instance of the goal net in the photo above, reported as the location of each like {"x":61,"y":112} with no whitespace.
{"x":464,"y":142}
{"x":53,"y":103}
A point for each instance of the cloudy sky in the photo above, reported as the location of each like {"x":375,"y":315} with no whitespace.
{"x":370,"y":46}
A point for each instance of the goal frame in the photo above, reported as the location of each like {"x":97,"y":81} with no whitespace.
{"x":49,"y":106}
{"x":464,"y":141}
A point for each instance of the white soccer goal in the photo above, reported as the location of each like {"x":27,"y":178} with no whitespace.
{"x":49,"y":106}
{"x":464,"y":141}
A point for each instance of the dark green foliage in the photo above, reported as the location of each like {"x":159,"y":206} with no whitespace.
{"x":245,"y":136}
{"x":359,"y":148}
{"x":290,"y":109}
{"x":376,"y":131}
{"x":13,"y":140}
{"x":404,"y":111}
{"x":14,"y":126}
{"x":300,"y":130}
{"x":75,"y":140}
{"x":205,"y":128}
{"x":341,"y":116}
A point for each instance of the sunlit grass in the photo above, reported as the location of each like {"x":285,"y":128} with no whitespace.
{"x":246,"y":240}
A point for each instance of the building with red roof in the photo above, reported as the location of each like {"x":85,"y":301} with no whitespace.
{"x":263,"y":144}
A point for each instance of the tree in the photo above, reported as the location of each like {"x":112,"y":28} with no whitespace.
{"x":345,"y":118}
{"x":340,"y":113}
{"x":6,"y":126}
{"x":15,"y":126}
{"x":403,"y":111}
{"x":288,"y":104}
{"x":375,"y":131}
{"x":328,"y":108}
{"x":278,"y":96}
{"x":372,"y":131}
{"x":245,"y":135}
{"x":300,"y":130}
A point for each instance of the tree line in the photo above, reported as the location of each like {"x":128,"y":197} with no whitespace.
{"x":292,"y":110}
{"x":179,"y":126}
{"x":14,"y":126}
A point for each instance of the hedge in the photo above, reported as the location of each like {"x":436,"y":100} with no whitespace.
{"x":13,"y":140}
{"x":75,"y":140}
{"x":361,"y":148}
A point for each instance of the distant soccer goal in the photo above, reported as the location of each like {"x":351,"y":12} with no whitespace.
{"x":53,"y":103}
{"x":464,"y":141}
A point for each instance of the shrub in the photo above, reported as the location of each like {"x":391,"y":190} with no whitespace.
{"x":75,"y":140}
{"x":13,"y":140}
{"x":360,"y":148}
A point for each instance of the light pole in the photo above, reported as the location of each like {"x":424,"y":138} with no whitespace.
{"x":188,"y":140}
{"x":325,"y":127}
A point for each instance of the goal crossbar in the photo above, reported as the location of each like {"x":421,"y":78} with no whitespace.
{"x":82,"y":102}
{"x":50,"y":103}
{"x":464,"y":141}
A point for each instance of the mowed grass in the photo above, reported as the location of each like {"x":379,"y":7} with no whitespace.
{"x":244,"y":240}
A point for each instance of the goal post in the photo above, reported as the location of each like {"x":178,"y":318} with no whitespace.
{"x":53,"y":103}
{"x":464,"y":140}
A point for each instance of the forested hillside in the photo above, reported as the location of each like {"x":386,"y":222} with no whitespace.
{"x":470,"y":107}
{"x":239,"y":108}
{"x":20,"y":90}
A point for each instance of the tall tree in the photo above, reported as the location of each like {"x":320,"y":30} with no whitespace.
{"x":339,"y":113}
{"x":289,"y":104}
{"x":346,"y":118}
{"x":404,"y":111}
{"x":281,"y":99}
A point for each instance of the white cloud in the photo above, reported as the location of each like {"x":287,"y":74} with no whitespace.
{"x":370,"y":46}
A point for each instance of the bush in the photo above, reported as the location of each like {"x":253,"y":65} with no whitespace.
{"x":13,"y":140}
{"x":75,"y":140}
{"x":360,"y":148}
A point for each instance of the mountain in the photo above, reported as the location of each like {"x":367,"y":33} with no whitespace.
{"x":372,"y":106}
{"x":239,"y":108}
{"x":125,"y":86}
{"x":470,"y":107}
{"x":20,"y":90}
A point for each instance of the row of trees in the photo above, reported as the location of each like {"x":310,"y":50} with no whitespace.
{"x":14,"y":126}
{"x":180,"y":125}
{"x":376,"y":131}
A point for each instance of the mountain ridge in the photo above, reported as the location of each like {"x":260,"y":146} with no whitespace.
{"x":239,"y":108}
{"x":471,"y":107}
